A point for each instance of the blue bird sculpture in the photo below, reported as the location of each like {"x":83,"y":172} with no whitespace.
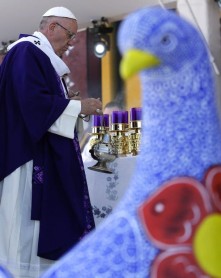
{"x":173,"y":196}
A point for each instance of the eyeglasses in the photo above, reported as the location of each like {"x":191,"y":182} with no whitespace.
{"x":71,"y":35}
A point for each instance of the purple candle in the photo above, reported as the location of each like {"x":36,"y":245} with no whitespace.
{"x":101,"y":120}
{"x":135,"y":114}
{"x":106,"y":120}
{"x":120,"y":117}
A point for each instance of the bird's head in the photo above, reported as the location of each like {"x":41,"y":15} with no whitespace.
{"x":158,"y":40}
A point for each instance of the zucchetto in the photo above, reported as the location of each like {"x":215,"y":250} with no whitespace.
{"x":60,"y":12}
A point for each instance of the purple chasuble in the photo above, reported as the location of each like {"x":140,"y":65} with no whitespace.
{"x":31,"y":99}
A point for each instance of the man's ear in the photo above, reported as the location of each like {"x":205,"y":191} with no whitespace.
{"x":51,"y":26}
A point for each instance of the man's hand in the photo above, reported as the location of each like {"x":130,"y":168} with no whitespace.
{"x":89,"y":106}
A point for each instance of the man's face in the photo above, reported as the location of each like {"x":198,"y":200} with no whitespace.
{"x":63,"y":35}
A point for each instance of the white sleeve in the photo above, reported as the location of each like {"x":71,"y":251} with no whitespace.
{"x":65,"y":124}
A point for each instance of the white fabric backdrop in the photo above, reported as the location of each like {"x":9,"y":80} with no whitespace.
{"x":106,"y":190}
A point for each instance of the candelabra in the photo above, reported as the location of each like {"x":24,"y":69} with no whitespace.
{"x":120,"y":138}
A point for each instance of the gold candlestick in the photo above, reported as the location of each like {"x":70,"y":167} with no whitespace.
{"x":119,"y":138}
{"x":134,"y":137}
{"x":97,"y":134}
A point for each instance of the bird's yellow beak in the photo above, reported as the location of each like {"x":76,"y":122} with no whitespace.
{"x":136,"y":60}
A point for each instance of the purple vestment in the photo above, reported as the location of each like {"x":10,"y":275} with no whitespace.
{"x":31,"y":99}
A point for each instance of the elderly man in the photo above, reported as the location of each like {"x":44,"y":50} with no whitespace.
{"x":44,"y":202}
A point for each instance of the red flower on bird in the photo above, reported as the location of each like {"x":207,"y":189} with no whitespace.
{"x":182,"y":218}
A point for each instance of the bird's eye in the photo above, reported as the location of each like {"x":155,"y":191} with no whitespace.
{"x":165,"y":40}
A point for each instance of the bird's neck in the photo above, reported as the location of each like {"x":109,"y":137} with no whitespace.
{"x":181,"y":125}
